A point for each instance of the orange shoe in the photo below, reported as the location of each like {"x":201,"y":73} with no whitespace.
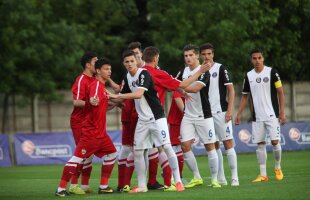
{"x":179,"y":186}
{"x":278,"y":174}
{"x":260,"y":179}
{"x":137,"y":190}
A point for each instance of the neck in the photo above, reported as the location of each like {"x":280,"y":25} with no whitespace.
{"x":259,"y":69}
{"x":150,"y":64}
{"x":100,"y":79}
{"x":88,"y":73}
{"x":192,"y":67}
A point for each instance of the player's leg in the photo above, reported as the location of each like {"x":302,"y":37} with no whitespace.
{"x":106,"y":170}
{"x":232,"y":161}
{"x":167,"y":173}
{"x":128,"y":172}
{"x":221,"y":172}
{"x":122,"y":160}
{"x":86,"y":172}
{"x":176,"y":145}
{"x":178,"y":151}
{"x":153,"y":160}
{"x":258,"y":136}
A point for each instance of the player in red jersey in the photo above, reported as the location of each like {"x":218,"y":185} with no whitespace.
{"x":174,"y":119}
{"x":79,"y":89}
{"x":94,"y":140}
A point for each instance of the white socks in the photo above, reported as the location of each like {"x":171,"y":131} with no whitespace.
{"x":213,"y":164}
{"x":140,"y":168}
{"x":191,"y":163}
{"x":262,"y":158}
{"x":173,"y":162}
{"x":277,"y":151}
{"x":232,"y":162}
{"x":221,"y":173}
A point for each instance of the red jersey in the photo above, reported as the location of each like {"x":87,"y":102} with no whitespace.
{"x":162,"y":81}
{"x":94,"y":125}
{"x":79,"y":89}
{"x":175,"y":115}
{"x":128,"y":111}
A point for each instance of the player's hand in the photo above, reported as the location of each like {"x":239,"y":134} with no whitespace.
{"x":205,"y":67}
{"x":237,"y":119}
{"x":187,"y":97}
{"x":94,"y":101}
{"x":228,"y":116}
{"x":113,"y":96}
{"x":282,"y":118}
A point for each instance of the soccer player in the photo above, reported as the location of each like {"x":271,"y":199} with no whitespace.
{"x":79,"y":89}
{"x":94,"y":138}
{"x":221,"y":87}
{"x":174,"y":119}
{"x":197,"y":120}
{"x":264,"y":85}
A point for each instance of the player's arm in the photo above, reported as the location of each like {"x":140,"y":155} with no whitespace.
{"x":230,"y":98}
{"x":282,"y":117}
{"x":196,"y":87}
{"x":180,"y":104}
{"x":133,"y":95}
{"x":79,"y":103}
{"x":243,"y":102}
{"x":114,"y":85}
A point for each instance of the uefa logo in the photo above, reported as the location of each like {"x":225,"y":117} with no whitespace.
{"x":266,"y":79}
{"x":244,"y":136}
{"x":294,"y":134}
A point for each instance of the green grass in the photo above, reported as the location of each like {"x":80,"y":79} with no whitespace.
{"x":40,"y":182}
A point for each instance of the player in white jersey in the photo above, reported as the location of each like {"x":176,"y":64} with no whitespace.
{"x":197,"y":120}
{"x":152,"y":127}
{"x":264,"y":85}
{"x":221,"y":86}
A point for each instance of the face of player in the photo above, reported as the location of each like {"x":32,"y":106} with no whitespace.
{"x":130,"y":63}
{"x":104,"y":72}
{"x":257,"y":60}
{"x":191,"y":58}
{"x":207,"y":55}
{"x":91,"y":65}
{"x":138,"y":54}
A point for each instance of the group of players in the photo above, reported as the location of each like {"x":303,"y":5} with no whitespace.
{"x":201,"y":109}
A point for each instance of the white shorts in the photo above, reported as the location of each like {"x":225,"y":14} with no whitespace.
{"x":223,"y":130}
{"x":199,"y":127}
{"x":151,"y":132}
{"x":261,"y":129}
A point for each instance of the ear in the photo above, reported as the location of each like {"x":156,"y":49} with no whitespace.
{"x":98,"y":71}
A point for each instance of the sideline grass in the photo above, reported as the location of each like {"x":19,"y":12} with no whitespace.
{"x":40,"y":182}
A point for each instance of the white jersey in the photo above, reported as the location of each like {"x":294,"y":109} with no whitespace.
{"x":219,"y":79}
{"x":199,"y":106}
{"x":148,"y":107}
{"x":262,"y":87}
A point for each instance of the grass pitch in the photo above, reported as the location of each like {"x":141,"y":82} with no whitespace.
{"x":40,"y":182}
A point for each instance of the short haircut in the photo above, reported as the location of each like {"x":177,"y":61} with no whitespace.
{"x":135,"y":45}
{"x":128,"y":53}
{"x":206,"y":46}
{"x":191,"y":47}
{"x":149,"y":54}
{"x":256,"y":50}
{"x":86,"y":58}
{"x":102,"y":61}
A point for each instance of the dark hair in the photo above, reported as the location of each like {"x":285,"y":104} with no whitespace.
{"x":149,"y":53}
{"x":135,"y":45}
{"x":86,"y":58}
{"x":191,"y":47}
{"x":256,"y":50}
{"x":128,"y":53}
{"x":206,"y":46}
{"x":100,"y":62}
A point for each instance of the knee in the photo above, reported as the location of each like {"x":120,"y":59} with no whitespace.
{"x":274,"y":142}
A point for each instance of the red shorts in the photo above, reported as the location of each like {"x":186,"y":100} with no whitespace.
{"x":99,"y":146}
{"x":77,"y":132}
{"x":175,"y":134}
{"x":128,"y":131}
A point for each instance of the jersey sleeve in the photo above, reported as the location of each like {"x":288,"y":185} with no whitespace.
{"x":125,"y":87}
{"x":180,"y":75}
{"x":204,"y":78}
{"x":144,"y":80}
{"x":275,"y":78}
{"x":225,"y":78}
{"x":246,"y":85}
{"x":166,"y":80}
{"x":176,"y":94}
{"x":79,"y":88}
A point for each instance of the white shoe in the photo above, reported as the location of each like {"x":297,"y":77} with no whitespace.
{"x":222,"y":182}
{"x":234,"y":182}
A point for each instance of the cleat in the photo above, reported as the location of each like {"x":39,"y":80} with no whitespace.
{"x":76,"y":190}
{"x":170,"y":188}
{"x":156,"y":186}
{"x":119,"y":189}
{"x":184,"y":181}
{"x":88,"y":191}
{"x":106,"y":190}
{"x":222,"y":182}
{"x":278,"y":174}
{"x":215,"y":184}
{"x":260,"y":179}
{"x":126,"y":188}
{"x":62,"y":193}
{"x":179,"y":186}
{"x":194,"y":182}
{"x":137,"y":190}
{"x":234,"y":182}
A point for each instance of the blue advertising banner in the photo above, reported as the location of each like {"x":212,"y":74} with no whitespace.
{"x":5,"y":159}
{"x":294,"y":136}
{"x":57,"y":148}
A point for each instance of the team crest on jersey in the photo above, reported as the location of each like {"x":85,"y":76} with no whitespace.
{"x":266,"y":79}
{"x":214,"y":74}
{"x":258,"y":80}
{"x":83,"y":151}
{"x":201,"y":76}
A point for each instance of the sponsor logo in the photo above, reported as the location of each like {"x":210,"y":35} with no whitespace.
{"x":45,"y":151}
{"x":244,"y":135}
{"x":258,"y":80}
{"x":1,"y":154}
{"x":214,"y":74}
{"x":266,"y":79}
{"x":294,"y":134}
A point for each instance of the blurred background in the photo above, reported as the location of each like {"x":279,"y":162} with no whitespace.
{"x":41,"y":42}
